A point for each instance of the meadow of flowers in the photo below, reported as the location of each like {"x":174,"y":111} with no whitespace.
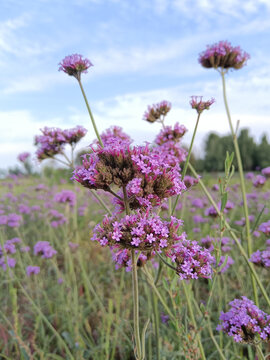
{"x":133,"y":255}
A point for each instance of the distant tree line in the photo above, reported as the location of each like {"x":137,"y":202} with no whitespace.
{"x":254,"y":155}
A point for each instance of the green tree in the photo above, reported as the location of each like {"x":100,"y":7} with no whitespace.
{"x":262,"y":153}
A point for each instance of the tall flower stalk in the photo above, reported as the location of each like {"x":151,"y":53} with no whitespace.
{"x":75,"y":65}
{"x":196,"y":103}
{"x":222,"y":57}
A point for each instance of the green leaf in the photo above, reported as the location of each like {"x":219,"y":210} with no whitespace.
{"x":224,"y":199}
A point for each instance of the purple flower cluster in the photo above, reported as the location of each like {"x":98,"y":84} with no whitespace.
{"x":23,"y":156}
{"x":114,"y":135}
{"x":140,"y":231}
{"x":225,"y":263}
{"x":147,"y":180}
{"x":57,"y":219}
{"x":223,"y":55}
{"x":265,"y":227}
{"x":74,"y":65}
{"x":66,"y":196}
{"x":32,"y":270}
{"x":245,"y":322}
{"x":259,"y":181}
{"x":261,"y":258}
{"x":266,"y":172}
{"x":12,"y":220}
{"x":168,"y":133}
{"x":44,"y":248}
{"x":9,"y":248}
{"x":53,"y":140}
{"x":4,"y":262}
{"x":156,"y":111}
{"x":122,"y":258}
{"x":197,"y":103}
{"x":192,"y":261}
{"x":170,"y":153}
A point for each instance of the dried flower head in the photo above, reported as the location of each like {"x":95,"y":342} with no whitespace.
{"x":171,"y":134}
{"x":53,"y":140}
{"x":223,"y":55}
{"x":74,"y":65}
{"x":197,"y":103}
{"x":156,"y":111}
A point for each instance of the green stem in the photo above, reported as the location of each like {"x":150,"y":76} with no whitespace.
{"x":156,"y":321}
{"x":136,"y":306}
{"x":240,"y":247}
{"x":191,"y":313}
{"x":101,"y":202}
{"x":242,"y":181}
{"x":91,"y":115}
{"x":259,"y":352}
{"x":135,"y":291}
{"x":191,"y":146}
{"x":215,"y":341}
{"x":151,"y":282}
{"x":187,"y":160}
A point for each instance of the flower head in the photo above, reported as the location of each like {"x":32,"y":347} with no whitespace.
{"x":259,"y":181}
{"x":223,"y":55}
{"x":140,"y":231}
{"x":197,"y":103}
{"x":74,"y":65}
{"x":245,"y":322}
{"x":171,"y":134}
{"x":192,"y":261}
{"x":23,"y":156}
{"x":156,"y":111}
{"x":45,"y":249}
{"x":266,"y":172}
{"x":32,"y":270}
{"x":66,"y":196}
{"x":147,"y":179}
{"x":265,"y":227}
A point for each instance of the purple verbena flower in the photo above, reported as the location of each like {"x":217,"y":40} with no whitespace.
{"x":265,"y":227}
{"x":32,"y":270}
{"x":245,"y":322}
{"x":223,"y":55}
{"x":266,"y":172}
{"x":259,"y":181}
{"x":66,"y":196}
{"x":197,"y":103}
{"x":192,"y":261}
{"x":141,"y":231}
{"x":228,"y":264}
{"x":169,"y":133}
{"x":45,"y":249}
{"x":114,"y":136}
{"x":74,"y":65}
{"x":157,"y":112}
{"x":23,"y":156}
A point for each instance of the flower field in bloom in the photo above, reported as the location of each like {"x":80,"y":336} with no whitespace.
{"x":132,"y":254}
{"x":55,"y":271}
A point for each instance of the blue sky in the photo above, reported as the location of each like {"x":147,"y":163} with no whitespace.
{"x":143,"y":51}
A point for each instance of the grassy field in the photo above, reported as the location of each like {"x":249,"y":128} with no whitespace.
{"x":80,"y":307}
